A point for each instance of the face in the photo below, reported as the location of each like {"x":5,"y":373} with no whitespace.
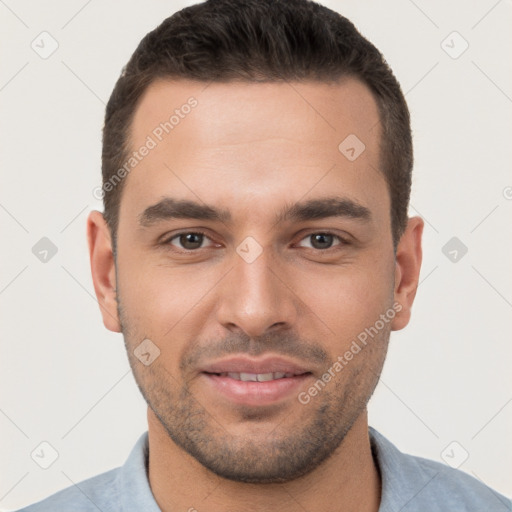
{"x":256,"y":255}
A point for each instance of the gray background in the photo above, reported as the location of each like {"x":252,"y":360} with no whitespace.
{"x":65,"y":379}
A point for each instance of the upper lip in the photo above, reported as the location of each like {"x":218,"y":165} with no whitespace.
{"x":240,"y":364}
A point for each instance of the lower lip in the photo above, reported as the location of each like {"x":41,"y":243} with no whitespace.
{"x":256,"y":393}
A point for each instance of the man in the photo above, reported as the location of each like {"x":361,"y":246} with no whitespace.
{"x":255,"y":252}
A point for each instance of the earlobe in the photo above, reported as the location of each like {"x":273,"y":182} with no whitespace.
{"x":103,"y":269}
{"x":407,"y":270}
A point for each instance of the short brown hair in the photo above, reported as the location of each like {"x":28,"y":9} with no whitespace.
{"x":260,"y":41}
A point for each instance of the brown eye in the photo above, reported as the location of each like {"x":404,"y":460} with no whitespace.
{"x":189,"y":241}
{"x":322,"y":241}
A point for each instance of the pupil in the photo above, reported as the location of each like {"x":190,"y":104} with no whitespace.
{"x":191,"y":240}
{"x":321,"y":241}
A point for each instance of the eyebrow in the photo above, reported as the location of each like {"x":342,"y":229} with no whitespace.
{"x":170,"y":208}
{"x":314,"y":209}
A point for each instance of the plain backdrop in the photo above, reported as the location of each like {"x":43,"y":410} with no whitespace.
{"x":65,"y":379}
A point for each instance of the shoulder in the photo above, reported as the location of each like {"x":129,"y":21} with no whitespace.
{"x":413,"y":484}
{"x":452,"y":489}
{"x":97,"y":493}
{"x":123,"y":488}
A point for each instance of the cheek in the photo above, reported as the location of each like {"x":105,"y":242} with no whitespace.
{"x":348,"y":299}
{"x":164,"y":302}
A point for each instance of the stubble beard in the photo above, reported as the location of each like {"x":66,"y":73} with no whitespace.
{"x":263,"y":455}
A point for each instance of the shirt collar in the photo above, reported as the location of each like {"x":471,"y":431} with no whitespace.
{"x":133,"y":480}
{"x":402,"y":477}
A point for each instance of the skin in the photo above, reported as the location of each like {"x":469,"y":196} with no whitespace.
{"x":254,"y":150}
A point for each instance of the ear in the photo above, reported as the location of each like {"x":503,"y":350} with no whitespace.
{"x":103,"y":269}
{"x":407,"y":271}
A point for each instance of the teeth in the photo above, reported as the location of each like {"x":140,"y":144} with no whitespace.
{"x":264,"y":377}
{"x":246,"y":377}
{"x":256,"y":377}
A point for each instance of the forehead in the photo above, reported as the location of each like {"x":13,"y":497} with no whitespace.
{"x":236,"y":112}
{"x":263,"y":142}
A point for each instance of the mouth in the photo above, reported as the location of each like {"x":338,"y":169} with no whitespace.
{"x":250,"y":382}
{"x":256,"y":377}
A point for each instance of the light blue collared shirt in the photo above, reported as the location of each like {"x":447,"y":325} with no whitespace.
{"x":409,"y":484}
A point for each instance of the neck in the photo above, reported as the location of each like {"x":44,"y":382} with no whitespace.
{"x":348,"y":481}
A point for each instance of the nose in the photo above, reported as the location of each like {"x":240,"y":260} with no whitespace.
{"x":256,"y":298}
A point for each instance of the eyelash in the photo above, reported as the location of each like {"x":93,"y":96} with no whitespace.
{"x":342,"y":241}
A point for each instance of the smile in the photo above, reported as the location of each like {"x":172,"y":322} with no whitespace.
{"x":256,"y":377}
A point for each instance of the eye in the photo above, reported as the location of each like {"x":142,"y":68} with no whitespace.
{"x":188,"y":241}
{"x":193,"y":240}
{"x":322,"y":240}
